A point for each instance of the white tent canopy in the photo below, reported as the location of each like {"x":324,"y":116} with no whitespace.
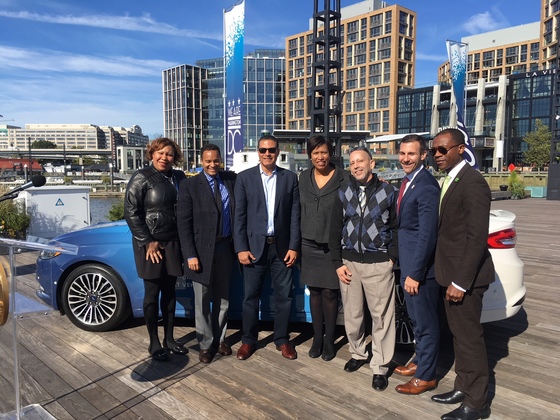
{"x":390,"y":137}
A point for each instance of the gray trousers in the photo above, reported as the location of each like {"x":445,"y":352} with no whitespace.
{"x":211,"y":303}
{"x":374,"y":284}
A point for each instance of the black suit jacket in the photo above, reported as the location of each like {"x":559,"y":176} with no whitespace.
{"x":197,"y":220}
{"x":462,"y":255}
{"x":251,"y":217}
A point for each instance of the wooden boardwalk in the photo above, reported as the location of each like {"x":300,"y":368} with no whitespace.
{"x":75,"y":374}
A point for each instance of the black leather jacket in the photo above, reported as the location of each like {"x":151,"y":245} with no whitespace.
{"x":150,"y":205}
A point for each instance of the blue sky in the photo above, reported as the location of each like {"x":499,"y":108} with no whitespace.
{"x":100,"y":62}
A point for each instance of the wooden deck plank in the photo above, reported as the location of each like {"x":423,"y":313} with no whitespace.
{"x":76,"y":374}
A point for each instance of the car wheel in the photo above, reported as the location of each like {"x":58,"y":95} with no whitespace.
{"x":405,"y":333}
{"x":95,"y":298}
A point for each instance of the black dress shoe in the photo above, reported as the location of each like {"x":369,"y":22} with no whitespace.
{"x":451,"y":397}
{"x":465,"y":413}
{"x":379,"y":382}
{"x":353,"y":365}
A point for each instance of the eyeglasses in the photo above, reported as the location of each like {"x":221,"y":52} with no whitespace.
{"x":263,"y":150}
{"x":442,"y":150}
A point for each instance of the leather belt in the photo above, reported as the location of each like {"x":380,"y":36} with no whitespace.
{"x":270,"y":240}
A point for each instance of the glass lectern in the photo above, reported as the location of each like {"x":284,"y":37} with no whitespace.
{"x":15,"y":307}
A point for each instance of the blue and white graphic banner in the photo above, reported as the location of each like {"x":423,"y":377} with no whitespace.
{"x":234,"y":33}
{"x":457,"y":53}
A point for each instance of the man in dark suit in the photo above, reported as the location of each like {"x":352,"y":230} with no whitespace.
{"x":464,"y":269}
{"x":205,"y":207}
{"x":267,"y":237}
{"x":418,"y":211}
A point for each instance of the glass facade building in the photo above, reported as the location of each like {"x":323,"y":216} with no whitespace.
{"x":194,"y":101}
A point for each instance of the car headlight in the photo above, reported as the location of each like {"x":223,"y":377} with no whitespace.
{"x":47,"y":255}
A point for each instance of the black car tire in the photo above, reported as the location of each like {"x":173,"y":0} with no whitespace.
{"x":405,"y":332}
{"x":95,"y":298}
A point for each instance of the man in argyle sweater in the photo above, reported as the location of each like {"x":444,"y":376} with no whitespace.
{"x":363,"y":244}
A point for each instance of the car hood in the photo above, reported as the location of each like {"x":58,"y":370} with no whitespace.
{"x":105,"y":232}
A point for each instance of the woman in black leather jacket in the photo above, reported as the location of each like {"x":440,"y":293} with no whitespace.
{"x":150,"y":211}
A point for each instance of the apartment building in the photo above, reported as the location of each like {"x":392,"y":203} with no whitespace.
{"x":377,"y":59}
{"x":513,"y":50}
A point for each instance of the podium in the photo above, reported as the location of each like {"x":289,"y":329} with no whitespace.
{"x":16,"y":307}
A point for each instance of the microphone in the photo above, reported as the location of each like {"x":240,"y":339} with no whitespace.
{"x":36,"y":181}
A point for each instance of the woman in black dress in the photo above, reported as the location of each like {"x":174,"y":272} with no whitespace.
{"x":150,"y":211}
{"x":318,"y":188}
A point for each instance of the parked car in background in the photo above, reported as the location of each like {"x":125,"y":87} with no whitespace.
{"x":98,"y":288}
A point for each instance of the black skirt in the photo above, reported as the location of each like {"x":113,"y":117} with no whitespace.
{"x":171,"y":264}
{"x":317,"y":269}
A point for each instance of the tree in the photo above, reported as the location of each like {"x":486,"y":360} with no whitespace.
{"x":538,"y":141}
{"x":43,"y":144}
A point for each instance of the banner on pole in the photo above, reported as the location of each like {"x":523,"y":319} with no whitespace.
{"x":234,"y":33}
{"x":457,"y":53}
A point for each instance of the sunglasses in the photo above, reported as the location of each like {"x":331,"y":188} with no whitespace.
{"x":263,"y":150}
{"x":442,"y":150}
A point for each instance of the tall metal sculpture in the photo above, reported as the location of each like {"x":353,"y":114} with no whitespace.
{"x":325,"y":101}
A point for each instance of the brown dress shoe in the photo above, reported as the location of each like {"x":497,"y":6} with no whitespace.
{"x":416,"y":386}
{"x":205,"y":356}
{"x":408,"y":370}
{"x":224,"y":349}
{"x":245,"y":351}
{"x":287,"y":351}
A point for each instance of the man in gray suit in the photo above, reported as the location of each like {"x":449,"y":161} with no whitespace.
{"x":204,"y":219}
{"x":267,"y":237}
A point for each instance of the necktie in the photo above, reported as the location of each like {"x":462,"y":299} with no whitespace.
{"x":401,"y":193}
{"x":444,"y":188}
{"x":218,"y":199}
{"x":363,"y":197}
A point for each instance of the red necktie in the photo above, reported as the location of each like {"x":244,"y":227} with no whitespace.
{"x":401,"y":193}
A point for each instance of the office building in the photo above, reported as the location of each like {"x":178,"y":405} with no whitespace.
{"x":377,"y":59}
{"x":194,"y":101}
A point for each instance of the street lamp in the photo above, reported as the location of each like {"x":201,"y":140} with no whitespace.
{"x":30,"y":160}
{"x":25,"y":172}
{"x":83,"y":174}
{"x":111,"y":173}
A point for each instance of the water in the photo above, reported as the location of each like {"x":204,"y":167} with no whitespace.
{"x":99,"y":208}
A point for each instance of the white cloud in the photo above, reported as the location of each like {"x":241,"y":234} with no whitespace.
{"x":57,"y":61}
{"x":143,"y":23}
{"x":485,"y":22}
{"x":431,"y":57}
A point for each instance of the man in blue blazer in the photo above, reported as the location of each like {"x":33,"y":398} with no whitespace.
{"x":418,"y":212}
{"x":267,"y":237}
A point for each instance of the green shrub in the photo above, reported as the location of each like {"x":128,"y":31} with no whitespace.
{"x":14,"y":220}
{"x":516,"y":185}
{"x":116,"y":212}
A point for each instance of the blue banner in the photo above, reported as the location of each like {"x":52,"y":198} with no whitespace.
{"x":234,"y":33}
{"x":457,"y":53}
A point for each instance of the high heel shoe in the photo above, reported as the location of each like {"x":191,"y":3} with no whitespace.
{"x":176,"y":348}
{"x":159,"y":354}
{"x":316,"y":348}
{"x":328,"y":350}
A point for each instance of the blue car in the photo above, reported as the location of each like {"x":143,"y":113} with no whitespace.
{"x":98,"y":288}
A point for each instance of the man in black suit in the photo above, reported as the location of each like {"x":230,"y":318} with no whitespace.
{"x":267,"y":237}
{"x":464,"y":269}
{"x":205,"y":207}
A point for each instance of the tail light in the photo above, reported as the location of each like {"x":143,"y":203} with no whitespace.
{"x":502,"y":239}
